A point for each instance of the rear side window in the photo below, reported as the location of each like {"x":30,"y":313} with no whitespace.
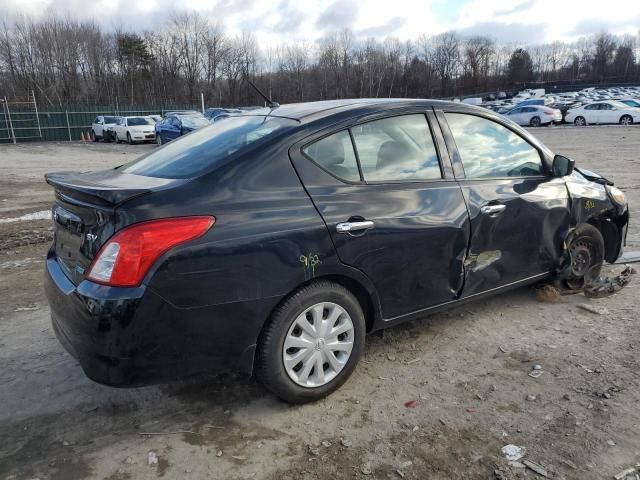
{"x":335,"y":154}
{"x":397,"y":148}
{"x":199,"y":151}
{"x":487,"y":149}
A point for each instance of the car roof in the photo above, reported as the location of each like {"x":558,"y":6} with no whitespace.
{"x":311,"y":111}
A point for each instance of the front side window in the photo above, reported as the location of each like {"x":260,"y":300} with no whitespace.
{"x":488,"y":149}
{"x":335,"y":154}
{"x":397,"y":148}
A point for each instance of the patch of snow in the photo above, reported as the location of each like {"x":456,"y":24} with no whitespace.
{"x":41,"y":215}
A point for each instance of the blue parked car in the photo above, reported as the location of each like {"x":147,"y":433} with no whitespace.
{"x":176,"y":124}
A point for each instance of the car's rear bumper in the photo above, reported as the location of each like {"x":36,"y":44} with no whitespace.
{"x":132,"y":336}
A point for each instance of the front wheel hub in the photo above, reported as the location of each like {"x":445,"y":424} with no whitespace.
{"x":582,"y":256}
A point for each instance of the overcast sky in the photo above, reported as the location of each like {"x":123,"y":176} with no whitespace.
{"x":280,"y":21}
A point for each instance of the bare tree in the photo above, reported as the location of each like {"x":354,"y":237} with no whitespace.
{"x":446,"y":58}
{"x":67,"y":61}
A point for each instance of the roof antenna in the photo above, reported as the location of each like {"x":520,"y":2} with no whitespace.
{"x":270,"y":103}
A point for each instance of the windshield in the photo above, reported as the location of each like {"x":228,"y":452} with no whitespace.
{"x":194,"y":153}
{"x":133,"y":121}
{"x":110,"y":119}
{"x":194,"y":121}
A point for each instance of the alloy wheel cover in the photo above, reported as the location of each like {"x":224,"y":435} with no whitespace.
{"x":318,"y":344}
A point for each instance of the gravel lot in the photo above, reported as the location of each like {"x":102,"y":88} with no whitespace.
{"x":467,"y":370}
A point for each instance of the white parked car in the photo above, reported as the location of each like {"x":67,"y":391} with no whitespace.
{"x":534,"y":115}
{"x":100,"y":125}
{"x":472,"y":101}
{"x":603,"y":112}
{"x":135,"y":129}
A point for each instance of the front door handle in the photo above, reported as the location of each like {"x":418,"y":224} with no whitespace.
{"x":493,"y":209}
{"x":348,"y":227}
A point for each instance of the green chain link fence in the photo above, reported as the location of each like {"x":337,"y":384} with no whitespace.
{"x":24,"y":122}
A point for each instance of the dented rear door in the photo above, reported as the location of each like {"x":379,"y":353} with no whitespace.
{"x":519,"y":214}
{"x":409,"y":237}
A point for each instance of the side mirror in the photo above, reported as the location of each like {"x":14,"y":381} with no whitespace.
{"x":562,"y":166}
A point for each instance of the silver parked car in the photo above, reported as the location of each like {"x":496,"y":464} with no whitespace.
{"x":534,"y":115}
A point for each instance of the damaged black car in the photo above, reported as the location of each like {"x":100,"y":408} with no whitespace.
{"x":273,"y":242}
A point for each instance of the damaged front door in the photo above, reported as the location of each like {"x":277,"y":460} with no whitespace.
{"x":519,"y":214}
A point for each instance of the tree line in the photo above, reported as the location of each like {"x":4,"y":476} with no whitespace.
{"x":69,"y":62}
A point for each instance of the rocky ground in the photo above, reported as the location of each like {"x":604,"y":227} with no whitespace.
{"x":436,"y":398}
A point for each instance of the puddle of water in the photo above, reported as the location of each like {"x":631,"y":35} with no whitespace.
{"x":41,"y":215}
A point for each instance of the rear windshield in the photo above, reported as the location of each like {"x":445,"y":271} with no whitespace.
{"x":194,"y":121}
{"x":132,"y":121}
{"x":199,"y":151}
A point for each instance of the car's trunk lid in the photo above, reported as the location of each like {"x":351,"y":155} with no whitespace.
{"x":84,"y":213}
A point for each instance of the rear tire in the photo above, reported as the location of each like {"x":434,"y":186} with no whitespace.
{"x":626,"y":120}
{"x":313,"y":345}
{"x":586,"y":254}
{"x":580,"y":122}
{"x":535,"y":122}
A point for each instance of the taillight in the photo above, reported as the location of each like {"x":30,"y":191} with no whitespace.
{"x":549,"y":112}
{"x":127,"y":257}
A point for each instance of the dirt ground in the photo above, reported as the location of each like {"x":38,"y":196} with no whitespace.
{"x":467,"y":371}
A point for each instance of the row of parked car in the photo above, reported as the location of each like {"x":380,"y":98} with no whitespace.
{"x":154,"y":128}
{"x":588,"y":106}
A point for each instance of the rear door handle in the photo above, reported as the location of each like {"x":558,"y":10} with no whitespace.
{"x":347,"y":227}
{"x":492,"y":209}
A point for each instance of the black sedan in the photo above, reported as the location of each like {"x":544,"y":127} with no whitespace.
{"x":274,"y":241}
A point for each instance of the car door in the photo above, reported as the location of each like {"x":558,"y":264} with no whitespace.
{"x":592,"y":113}
{"x":391,"y":206}
{"x":98,"y":126}
{"x":123,"y":128}
{"x":117,"y":128}
{"x":172,"y":129}
{"x":608,"y":113}
{"x":519,"y":213}
{"x":159,"y":128}
{"x":515,"y":115}
{"x":528,"y":113}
